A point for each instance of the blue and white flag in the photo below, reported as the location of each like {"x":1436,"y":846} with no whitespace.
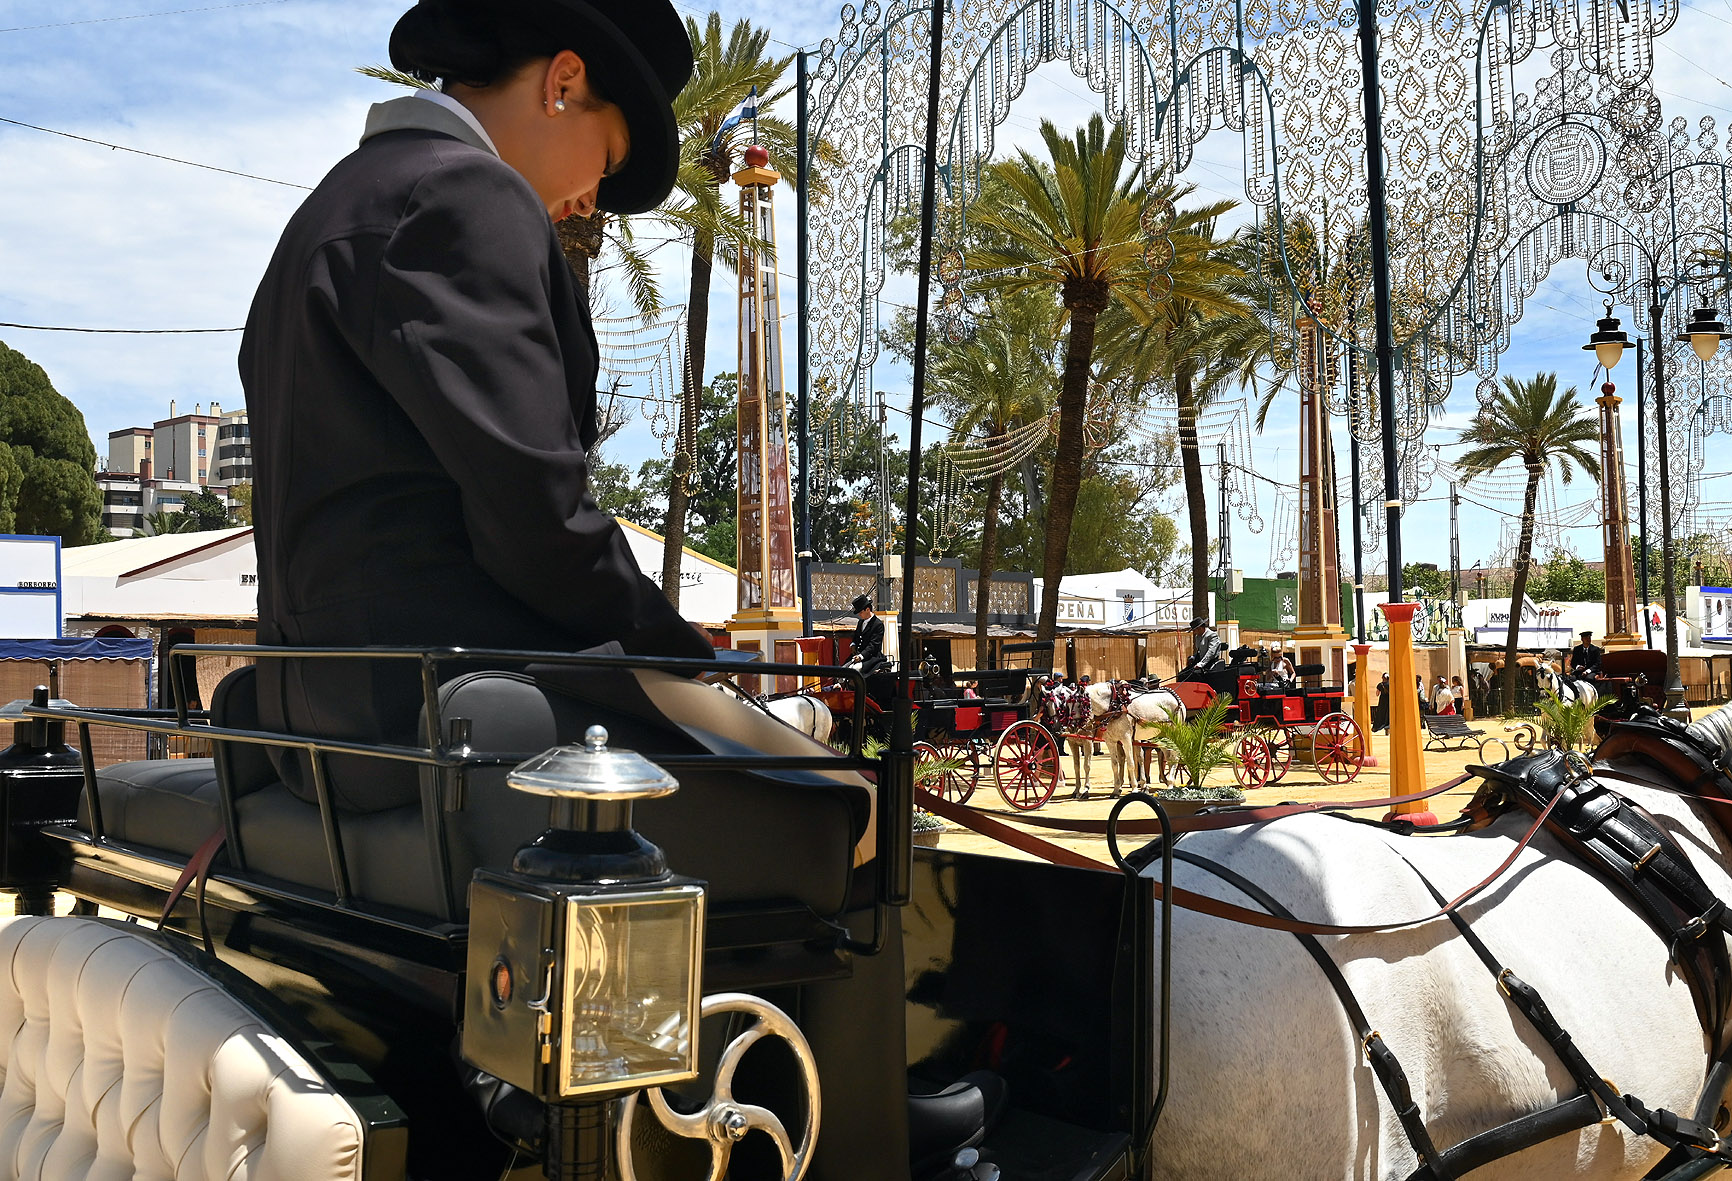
{"x":748,"y":109}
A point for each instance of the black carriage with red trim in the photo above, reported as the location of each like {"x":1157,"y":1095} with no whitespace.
{"x":1274,"y":722}
{"x":992,"y":737}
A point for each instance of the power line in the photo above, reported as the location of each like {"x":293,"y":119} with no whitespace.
{"x":121,"y":331}
{"x":138,"y":16}
{"x":154,"y":155}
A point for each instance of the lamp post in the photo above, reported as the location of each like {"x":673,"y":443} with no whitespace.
{"x":1704,"y":333}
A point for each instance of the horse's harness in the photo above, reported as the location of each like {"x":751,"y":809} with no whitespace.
{"x":1626,"y":845}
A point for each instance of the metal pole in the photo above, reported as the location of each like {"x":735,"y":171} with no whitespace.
{"x":1224,"y":605}
{"x":897,"y":793}
{"x":1642,"y":487}
{"x":1353,"y":461}
{"x":1669,"y":586}
{"x":1455,"y":550}
{"x":803,"y":336}
{"x":1378,"y":215}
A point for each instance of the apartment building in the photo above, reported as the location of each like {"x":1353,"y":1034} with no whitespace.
{"x":154,"y":468}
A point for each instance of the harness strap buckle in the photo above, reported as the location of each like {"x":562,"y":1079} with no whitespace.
{"x":1609,"y":1118}
{"x":1648,"y":856}
{"x":1365,"y":1043}
{"x":1503,"y":982}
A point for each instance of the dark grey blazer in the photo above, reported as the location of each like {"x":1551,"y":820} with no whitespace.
{"x":420,"y":378}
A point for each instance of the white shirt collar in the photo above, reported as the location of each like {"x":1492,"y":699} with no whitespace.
{"x":461,"y":111}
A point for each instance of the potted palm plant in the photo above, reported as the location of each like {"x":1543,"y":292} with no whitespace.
{"x":1567,"y":725}
{"x":1195,"y":746}
{"x":927,"y":771}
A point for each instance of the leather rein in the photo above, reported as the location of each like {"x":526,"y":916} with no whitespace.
{"x":989,"y":825}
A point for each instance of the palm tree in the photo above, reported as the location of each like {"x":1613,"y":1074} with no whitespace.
{"x":1531,"y":423}
{"x":1072,"y":223}
{"x":163,"y":521}
{"x":996,"y":382}
{"x":1207,"y":336}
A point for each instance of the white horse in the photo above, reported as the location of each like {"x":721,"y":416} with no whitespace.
{"x":1120,"y":734}
{"x":806,"y":714}
{"x":1268,"y":1077}
{"x":1565,"y":690}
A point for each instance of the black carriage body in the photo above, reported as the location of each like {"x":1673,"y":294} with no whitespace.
{"x":385,"y":985}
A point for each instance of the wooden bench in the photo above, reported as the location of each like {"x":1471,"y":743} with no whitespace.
{"x":1443,"y":729}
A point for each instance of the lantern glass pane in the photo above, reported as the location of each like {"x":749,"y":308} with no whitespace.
{"x":1704,"y":344}
{"x":1608,"y":353}
{"x":631,"y":990}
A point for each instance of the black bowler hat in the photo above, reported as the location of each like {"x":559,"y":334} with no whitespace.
{"x":1589,"y":634}
{"x":862,"y":603}
{"x":1199,"y":622}
{"x":640,"y":56}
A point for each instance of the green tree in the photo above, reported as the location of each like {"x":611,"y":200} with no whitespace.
{"x":1425,"y":576}
{"x":1000,"y":380}
{"x":1565,"y":578}
{"x":618,"y":495}
{"x":241,"y":503}
{"x":711,"y":472}
{"x":1205,"y":337}
{"x":1072,"y":224}
{"x":47,"y":461}
{"x":206,"y":510}
{"x":1530,"y":423}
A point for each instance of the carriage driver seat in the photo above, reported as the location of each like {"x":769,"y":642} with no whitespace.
{"x":757,"y":838}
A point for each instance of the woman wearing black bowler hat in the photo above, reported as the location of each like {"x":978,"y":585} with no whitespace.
{"x":420,"y":370}
{"x":420,"y":375}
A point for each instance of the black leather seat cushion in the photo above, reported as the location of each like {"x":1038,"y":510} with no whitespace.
{"x":753,"y":838}
{"x":163,"y":803}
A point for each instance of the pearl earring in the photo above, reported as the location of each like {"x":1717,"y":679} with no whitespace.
{"x":559,"y":104}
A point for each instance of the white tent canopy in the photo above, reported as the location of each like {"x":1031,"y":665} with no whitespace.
{"x":214,"y":575}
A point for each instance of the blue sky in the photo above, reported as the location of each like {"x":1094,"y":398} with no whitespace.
{"x":92,"y":237}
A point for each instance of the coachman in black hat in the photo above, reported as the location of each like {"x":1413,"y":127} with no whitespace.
{"x":420,"y":371}
{"x":1206,"y":647}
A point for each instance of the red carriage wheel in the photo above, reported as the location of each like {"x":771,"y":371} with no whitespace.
{"x":1253,"y":766}
{"x":1025,"y":764}
{"x":953,"y":784}
{"x":1280,"y":744}
{"x":1337,"y":747}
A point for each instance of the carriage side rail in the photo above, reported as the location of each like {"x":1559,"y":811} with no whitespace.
{"x":449,"y":754}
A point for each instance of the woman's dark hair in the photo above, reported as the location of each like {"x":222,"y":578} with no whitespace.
{"x":437,"y":41}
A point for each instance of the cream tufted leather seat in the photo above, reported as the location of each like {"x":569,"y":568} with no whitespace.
{"x":120,"y":1060}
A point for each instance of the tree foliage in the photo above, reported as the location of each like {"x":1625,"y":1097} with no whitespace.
{"x":712,"y":502}
{"x":1566,"y":578}
{"x":206,"y":509}
{"x":47,"y":461}
{"x":1425,"y":576}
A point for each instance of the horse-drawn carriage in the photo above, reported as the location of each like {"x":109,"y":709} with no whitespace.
{"x":989,"y":735}
{"x":1272,"y":722}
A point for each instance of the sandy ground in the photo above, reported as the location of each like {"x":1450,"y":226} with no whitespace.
{"x":1301,"y":783}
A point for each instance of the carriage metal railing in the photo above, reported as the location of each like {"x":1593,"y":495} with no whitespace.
{"x":451,"y":759}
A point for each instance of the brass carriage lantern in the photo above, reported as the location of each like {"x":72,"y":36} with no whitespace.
{"x":1609,"y":342}
{"x":1704,"y":332}
{"x":583,"y":965}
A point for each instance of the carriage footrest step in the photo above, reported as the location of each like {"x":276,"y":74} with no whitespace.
{"x":1029,"y":1147}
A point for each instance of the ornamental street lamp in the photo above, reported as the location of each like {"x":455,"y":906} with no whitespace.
{"x":1704,"y":334}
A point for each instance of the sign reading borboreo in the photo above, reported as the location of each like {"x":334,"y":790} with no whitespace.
{"x":29,"y":588}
